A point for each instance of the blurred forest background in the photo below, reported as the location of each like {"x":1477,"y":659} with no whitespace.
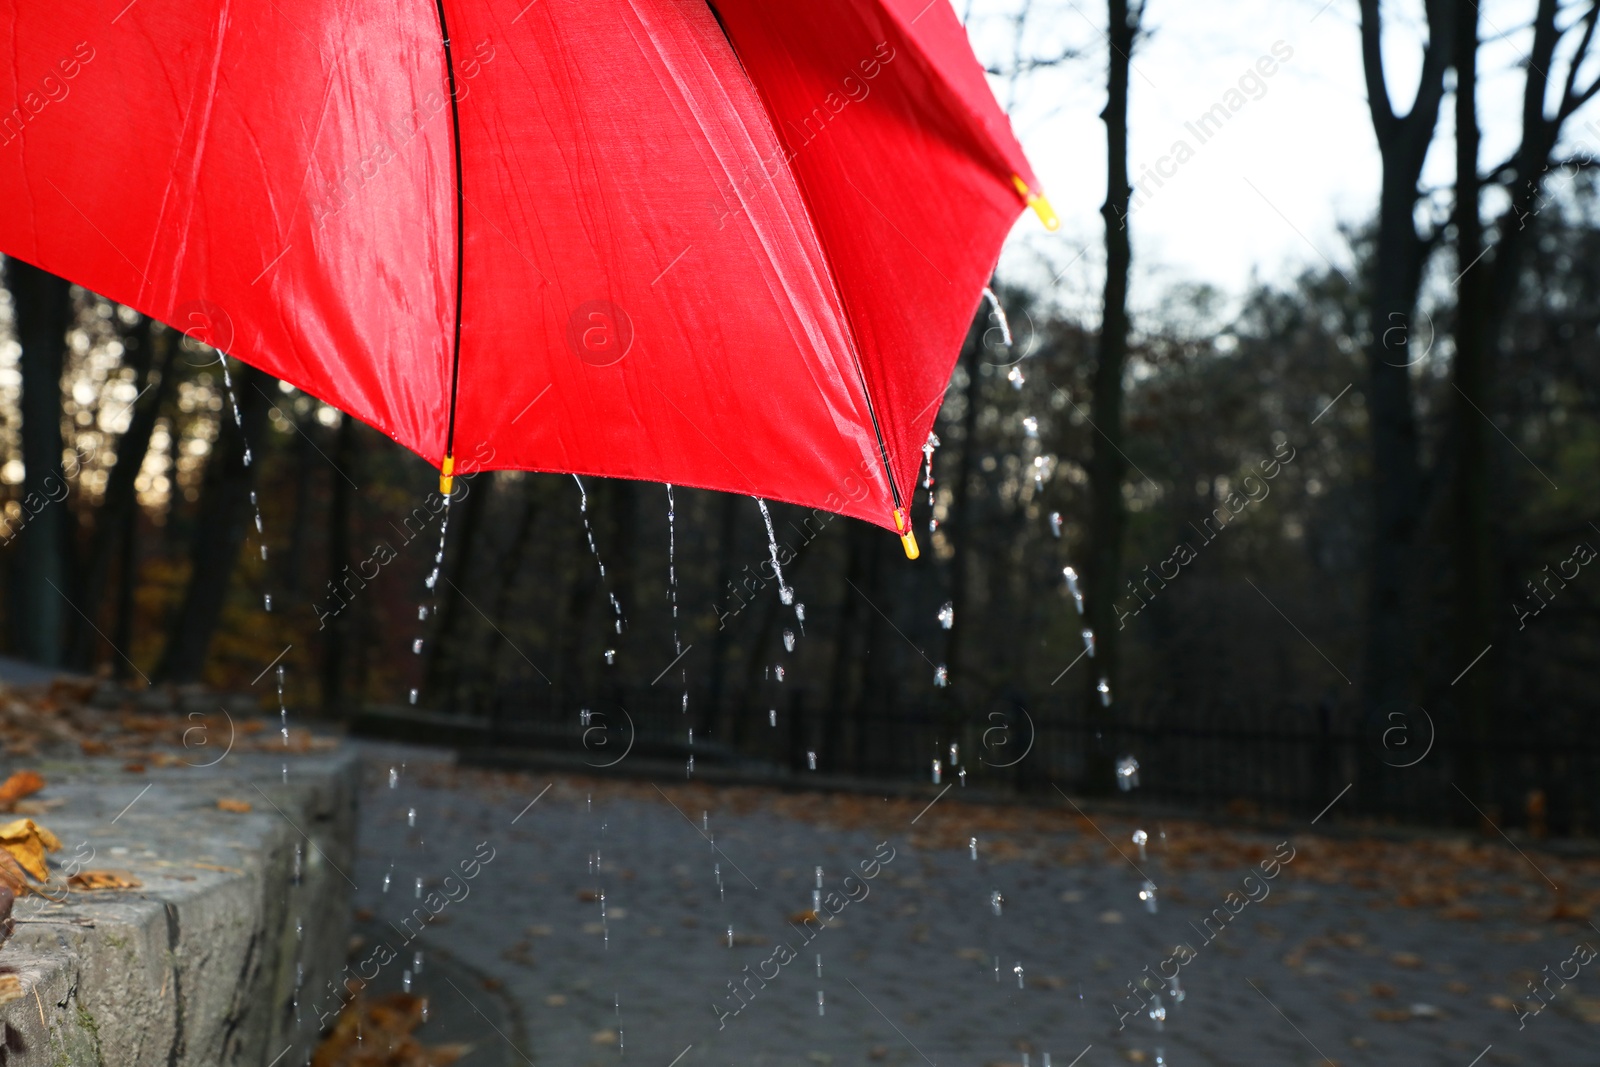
{"x":1386,"y":480}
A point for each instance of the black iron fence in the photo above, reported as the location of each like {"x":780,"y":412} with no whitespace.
{"x":1404,"y":766}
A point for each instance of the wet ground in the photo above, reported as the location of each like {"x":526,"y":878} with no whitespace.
{"x":595,"y":929}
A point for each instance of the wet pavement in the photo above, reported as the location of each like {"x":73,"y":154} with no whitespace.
{"x":608,"y":921}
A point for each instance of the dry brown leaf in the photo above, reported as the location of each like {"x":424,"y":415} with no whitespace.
{"x":104,"y":880}
{"x":230,"y":804}
{"x":19,"y":785}
{"x":10,"y":988}
{"x":12,"y":875}
{"x":27,"y":842}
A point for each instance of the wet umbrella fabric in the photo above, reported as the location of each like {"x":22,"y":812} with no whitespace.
{"x":734,"y":248}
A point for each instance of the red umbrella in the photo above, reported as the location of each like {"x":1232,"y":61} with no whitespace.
{"x":733,"y":246}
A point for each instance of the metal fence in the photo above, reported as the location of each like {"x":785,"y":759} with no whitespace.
{"x":1287,"y":760}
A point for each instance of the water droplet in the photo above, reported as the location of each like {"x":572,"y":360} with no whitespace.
{"x":1030,"y":426}
{"x":1127,"y":773}
{"x":394,"y":777}
{"x":1088,"y":641}
{"x":1178,"y":992}
{"x":819,"y":965}
{"x":416,"y":646}
{"x":411,"y":817}
{"x":611,"y":656}
{"x":800,"y":614}
{"x":937,"y":767}
{"x":996,"y":901}
{"x":772,"y":717}
{"x":416,"y":961}
{"x":1055,"y":531}
{"x":1072,"y":582}
{"x":955,"y":754}
{"x":778,"y":672}
{"x":1158,"y":1012}
{"x":1147,"y":893}
{"x":422,"y":612}
{"x":941,"y":676}
{"x":963,"y":777}
{"x":419,"y":889}
{"x":820,"y":1010}
{"x":947,"y":615}
{"x":413,"y":696}
{"x":689,"y":771}
{"x":972,"y":844}
{"x":1104,"y":689}
{"x":405,"y":981}
{"x":1015,"y":378}
{"x":268,"y":601}
{"x":1141,"y":838}
{"x":819,"y":877}
{"x":811,"y":760}
{"x":730,"y":936}
{"x":1017,"y":970}
{"x":788,"y":640}
{"x":785,"y":594}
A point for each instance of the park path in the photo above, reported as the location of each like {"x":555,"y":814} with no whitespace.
{"x":1360,"y":952}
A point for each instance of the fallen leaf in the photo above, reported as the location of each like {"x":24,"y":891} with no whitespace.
{"x":1409,"y":960}
{"x":385,"y":1025}
{"x":19,"y":785}
{"x":27,"y":842}
{"x":10,"y":988}
{"x":230,"y":804}
{"x":1392,"y":1015}
{"x":603,"y":1037}
{"x":104,"y":880}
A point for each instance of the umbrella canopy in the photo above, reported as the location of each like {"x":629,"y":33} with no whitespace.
{"x":732,"y":246}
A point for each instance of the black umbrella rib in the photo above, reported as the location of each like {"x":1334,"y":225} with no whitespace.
{"x":461,"y":230}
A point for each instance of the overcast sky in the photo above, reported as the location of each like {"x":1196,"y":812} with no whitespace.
{"x":1268,"y":191}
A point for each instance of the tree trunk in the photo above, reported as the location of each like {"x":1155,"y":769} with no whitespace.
{"x":1474,"y":570}
{"x":1391,"y":676}
{"x":1107,"y":466}
{"x":961,"y":527}
{"x":487,"y":691}
{"x":220,"y":529}
{"x":43,"y":305}
{"x":452,"y":635}
{"x":336,"y":643}
{"x":116,"y":520}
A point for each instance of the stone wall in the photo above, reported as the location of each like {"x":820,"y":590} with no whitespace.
{"x":241,"y":920}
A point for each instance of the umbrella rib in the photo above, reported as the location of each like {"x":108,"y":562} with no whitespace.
{"x":461,"y":230}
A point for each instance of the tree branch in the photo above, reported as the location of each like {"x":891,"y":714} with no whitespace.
{"x":1383,"y":120}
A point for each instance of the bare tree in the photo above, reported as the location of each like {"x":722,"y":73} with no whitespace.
{"x":1400,"y":254}
{"x":1490,"y":272}
{"x":1108,"y":466}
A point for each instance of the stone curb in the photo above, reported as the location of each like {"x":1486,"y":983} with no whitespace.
{"x":240,"y":923}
